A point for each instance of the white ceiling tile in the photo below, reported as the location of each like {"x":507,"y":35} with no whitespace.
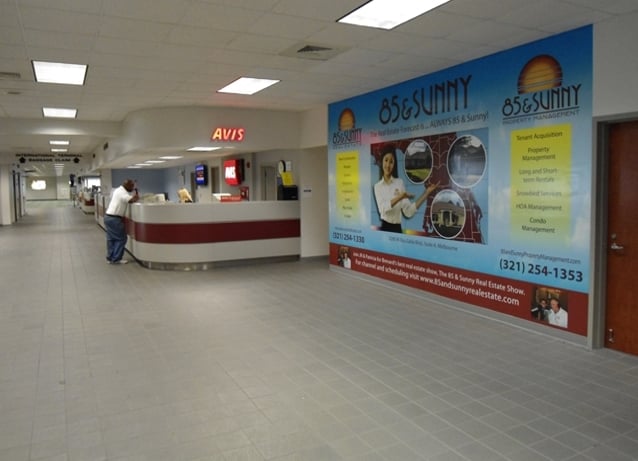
{"x":80,"y":6}
{"x":261,"y":5}
{"x":616,"y":7}
{"x":166,"y":11}
{"x":475,"y":52}
{"x":10,"y":36}
{"x":134,"y":30}
{"x":572,"y":22}
{"x":59,"y":21}
{"x":363,"y":57}
{"x":200,"y":36}
{"x":223,"y":17}
{"x":484,"y":9}
{"x":124,"y":47}
{"x":286,"y":26}
{"x":394,"y":41}
{"x":260,"y":44}
{"x":11,"y":52}
{"x":438,"y":24}
{"x":73,"y":56}
{"x":153,"y":53}
{"x":9,"y":15}
{"x":327,"y":10}
{"x":536,"y":13}
{"x":491,"y":32}
{"x":419,"y":65}
{"x":56,"y":41}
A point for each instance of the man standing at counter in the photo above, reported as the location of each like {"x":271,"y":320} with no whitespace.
{"x":114,"y":221}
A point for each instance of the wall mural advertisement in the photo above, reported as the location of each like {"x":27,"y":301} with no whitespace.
{"x":473,"y":183}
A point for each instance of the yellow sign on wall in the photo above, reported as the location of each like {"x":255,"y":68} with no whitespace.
{"x":347,"y":184}
{"x":541,"y":183}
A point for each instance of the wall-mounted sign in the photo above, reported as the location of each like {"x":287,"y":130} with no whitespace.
{"x":474,"y":186}
{"x":42,"y":158}
{"x":228,"y":134}
{"x":201,"y":175}
{"x":234,"y":171}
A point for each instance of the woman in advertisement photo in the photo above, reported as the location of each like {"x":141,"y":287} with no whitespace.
{"x":393,"y":200}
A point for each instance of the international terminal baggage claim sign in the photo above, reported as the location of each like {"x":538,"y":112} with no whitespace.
{"x":473,"y":182}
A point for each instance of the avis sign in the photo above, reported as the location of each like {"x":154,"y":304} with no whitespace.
{"x":228,"y":134}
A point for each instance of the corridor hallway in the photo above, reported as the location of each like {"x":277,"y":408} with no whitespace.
{"x":285,"y":361}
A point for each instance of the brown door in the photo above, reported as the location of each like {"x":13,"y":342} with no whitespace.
{"x":621,"y":322}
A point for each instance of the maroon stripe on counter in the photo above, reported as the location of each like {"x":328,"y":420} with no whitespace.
{"x":185,"y":233}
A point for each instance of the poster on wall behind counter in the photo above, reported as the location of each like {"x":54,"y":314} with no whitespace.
{"x":473,"y":182}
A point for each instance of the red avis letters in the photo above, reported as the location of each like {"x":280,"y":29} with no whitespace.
{"x":228,"y":134}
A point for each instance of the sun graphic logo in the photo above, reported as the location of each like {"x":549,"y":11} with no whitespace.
{"x":347,"y":133}
{"x":542,"y":91}
{"x":346,"y":120}
{"x":540,"y":73}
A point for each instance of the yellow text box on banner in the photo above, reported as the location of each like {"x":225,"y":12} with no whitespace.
{"x":541,"y":184}
{"x":347,"y":184}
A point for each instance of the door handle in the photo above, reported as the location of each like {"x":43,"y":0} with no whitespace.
{"x":614,"y":246}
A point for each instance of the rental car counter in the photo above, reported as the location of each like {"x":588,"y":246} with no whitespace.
{"x":200,"y":236}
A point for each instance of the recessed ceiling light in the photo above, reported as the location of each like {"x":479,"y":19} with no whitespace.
{"x":59,"y":72}
{"x":58,"y":112}
{"x":59,"y":142}
{"x":155,"y":161}
{"x":135,"y":166}
{"x":247,"y":85}
{"x":202,"y":149}
{"x":141,"y":164}
{"x":59,"y":150}
{"x":387,"y":14}
{"x":171,"y":157}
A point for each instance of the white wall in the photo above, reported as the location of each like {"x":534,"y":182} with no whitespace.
{"x":313,"y":195}
{"x":616,"y":67}
{"x":50,"y":193}
{"x":63,"y":191}
{"x":270,"y":158}
{"x":6,"y":186}
{"x":313,"y":131}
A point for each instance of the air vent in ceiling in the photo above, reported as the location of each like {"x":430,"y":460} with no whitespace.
{"x":313,"y":51}
{"x":10,"y":76}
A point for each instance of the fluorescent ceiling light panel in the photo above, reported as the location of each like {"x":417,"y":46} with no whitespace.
{"x":171,"y":157}
{"x":58,"y":112}
{"x":155,"y":161}
{"x":247,"y":85}
{"x":387,"y":14}
{"x":202,"y":149}
{"x":59,"y":150}
{"x":59,"y":72}
{"x":59,"y":142}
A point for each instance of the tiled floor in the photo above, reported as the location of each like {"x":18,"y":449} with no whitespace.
{"x":288,"y":361}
